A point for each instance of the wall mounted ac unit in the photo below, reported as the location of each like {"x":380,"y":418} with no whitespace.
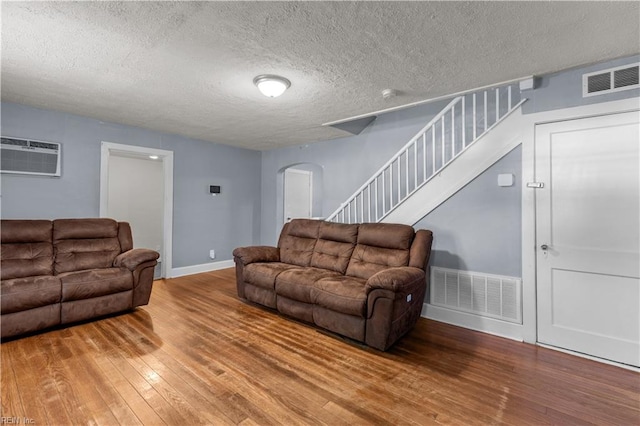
{"x":29,"y":157}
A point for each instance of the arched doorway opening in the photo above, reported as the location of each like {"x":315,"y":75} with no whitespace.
{"x":300,"y":192}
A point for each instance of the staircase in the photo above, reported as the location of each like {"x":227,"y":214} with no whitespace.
{"x":473,"y":130}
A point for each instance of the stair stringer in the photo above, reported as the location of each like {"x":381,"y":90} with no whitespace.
{"x":478,"y":157}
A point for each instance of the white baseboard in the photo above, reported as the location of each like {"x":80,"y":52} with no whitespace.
{"x":473,"y":322}
{"x":197,"y":269}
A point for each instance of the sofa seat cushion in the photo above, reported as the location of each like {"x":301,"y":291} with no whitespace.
{"x":341,"y":294}
{"x":95,"y":283}
{"x":296,"y":284}
{"x":264,"y":274}
{"x":20,"y":294}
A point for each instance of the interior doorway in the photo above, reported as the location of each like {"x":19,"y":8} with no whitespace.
{"x":588,"y":236}
{"x":136,"y":186}
{"x":298,"y":194}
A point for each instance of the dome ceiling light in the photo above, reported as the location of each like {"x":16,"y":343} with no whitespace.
{"x":271,"y":86}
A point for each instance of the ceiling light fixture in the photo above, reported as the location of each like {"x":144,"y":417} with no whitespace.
{"x":154,"y":157}
{"x":271,"y":86}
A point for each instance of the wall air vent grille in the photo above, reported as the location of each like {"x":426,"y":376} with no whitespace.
{"x":599,"y":82}
{"x":485,"y":295}
{"x":626,"y":77}
{"x":611,"y":80}
{"x":28,"y":157}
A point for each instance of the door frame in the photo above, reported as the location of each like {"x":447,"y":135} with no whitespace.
{"x":529,"y":266}
{"x":109,"y":148}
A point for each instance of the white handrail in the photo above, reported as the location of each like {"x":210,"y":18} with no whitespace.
{"x":374,"y":206}
{"x":432,"y":175}
{"x":398,"y":154}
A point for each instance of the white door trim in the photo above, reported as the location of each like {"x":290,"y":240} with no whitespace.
{"x":529,"y":284}
{"x":107,"y":148}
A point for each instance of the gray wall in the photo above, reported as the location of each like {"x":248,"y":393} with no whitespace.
{"x":479,"y":228}
{"x":200,"y":222}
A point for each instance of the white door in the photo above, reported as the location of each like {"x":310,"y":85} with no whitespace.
{"x":297,"y":194}
{"x":588,"y":236}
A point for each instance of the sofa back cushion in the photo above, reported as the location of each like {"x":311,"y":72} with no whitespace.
{"x":297,"y":241}
{"x":380,"y":246}
{"x":334,"y":247}
{"x":125,"y":237}
{"x":85,"y":244}
{"x":421,"y":249}
{"x":26,"y":248}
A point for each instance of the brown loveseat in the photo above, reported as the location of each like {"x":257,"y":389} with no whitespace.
{"x":363,"y":281}
{"x":67,"y":270}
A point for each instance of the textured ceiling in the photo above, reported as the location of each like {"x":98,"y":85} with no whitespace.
{"x":187,"y":67}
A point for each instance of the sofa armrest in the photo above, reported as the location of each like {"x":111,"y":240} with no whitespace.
{"x":395,"y":279}
{"x":394,"y":303}
{"x":253,"y":254}
{"x":133,"y":258}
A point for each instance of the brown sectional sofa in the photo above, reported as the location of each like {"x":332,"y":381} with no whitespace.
{"x":67,"y":270}
{"x":363,"y":281}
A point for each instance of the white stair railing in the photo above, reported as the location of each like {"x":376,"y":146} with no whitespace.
{"x":465,"y":120}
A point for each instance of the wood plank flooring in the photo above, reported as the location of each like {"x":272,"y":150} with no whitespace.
{"x":198,"y":355}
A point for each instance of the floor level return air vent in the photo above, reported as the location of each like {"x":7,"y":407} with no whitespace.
{"x":486,"y":295}
{"x":29,"y":157}
{"x":611,"y":80}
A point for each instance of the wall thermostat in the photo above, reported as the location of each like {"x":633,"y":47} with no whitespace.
{"x":214,"y":189}
{"x":505,"y":179}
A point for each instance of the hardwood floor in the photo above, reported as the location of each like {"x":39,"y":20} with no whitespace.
{"x":198,"y":355}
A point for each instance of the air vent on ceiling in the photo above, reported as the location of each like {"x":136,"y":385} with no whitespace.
{"x":611,"y":80}
{"x":29,"y":157}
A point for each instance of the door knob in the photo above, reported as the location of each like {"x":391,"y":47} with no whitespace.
{"x":544,"y":247}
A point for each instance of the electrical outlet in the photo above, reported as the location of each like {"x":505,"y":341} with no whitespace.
{"x":212,"y":254}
